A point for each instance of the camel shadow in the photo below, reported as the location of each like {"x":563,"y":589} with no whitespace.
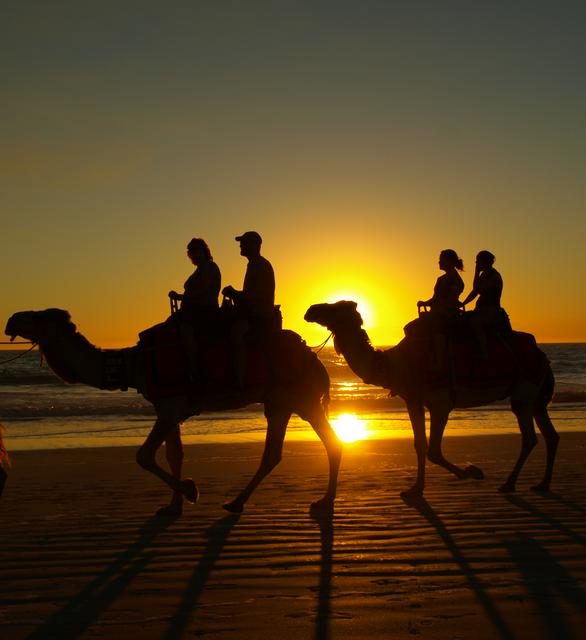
{"x":547,"y":584}
{"x":426,"y":510}
{"x":322,"y":620}
{"x":217,"y":536}
{"x":77,"y":615}
{"x":521,"y":503}
{"x":562,"y":500}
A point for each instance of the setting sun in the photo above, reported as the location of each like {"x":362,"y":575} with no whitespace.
{"x":349,"y":428}
{"x":364,"y":309}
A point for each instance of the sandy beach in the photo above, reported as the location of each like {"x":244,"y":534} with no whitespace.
{"x":82,"y":556}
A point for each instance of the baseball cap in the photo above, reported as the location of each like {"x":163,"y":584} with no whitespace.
{"x":249,"y":236}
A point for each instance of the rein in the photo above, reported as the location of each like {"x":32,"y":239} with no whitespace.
{"x":34,"y":344}
{"x":322,"y":345}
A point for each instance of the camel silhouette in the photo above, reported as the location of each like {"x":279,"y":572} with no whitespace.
{"x":516,"y":369}
{"x":294,"y":381}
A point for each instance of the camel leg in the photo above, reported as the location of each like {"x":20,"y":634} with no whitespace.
{"x":551,"y":438}
{"x":276,"y":429}
{"x":146,"y":458}
{"x":333,"y":446}
{"x":528,"y":442}
{"x":174,"y":455}
{"x":417,"y":415}
{"x":438,"y":418}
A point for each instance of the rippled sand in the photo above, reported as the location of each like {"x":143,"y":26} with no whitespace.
{"x":82,"y":557}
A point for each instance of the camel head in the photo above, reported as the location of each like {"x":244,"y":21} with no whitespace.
{"x":30,"y":325}
{"x":338,"y":315}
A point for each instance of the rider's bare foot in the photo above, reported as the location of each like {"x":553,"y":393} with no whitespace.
{"x":189,"y":490}
{"x":233,"y":507}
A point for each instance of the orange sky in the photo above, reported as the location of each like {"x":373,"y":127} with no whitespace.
{"x":359,"y":143}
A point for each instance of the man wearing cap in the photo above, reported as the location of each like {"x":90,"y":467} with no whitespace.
{"x":258,"y":292}
{"x":256,"y":302}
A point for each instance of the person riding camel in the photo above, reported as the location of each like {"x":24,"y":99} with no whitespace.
{"x":255,"y":303}
{"x":198,"y":310}
{"x":488,"y":287}
{"x":437,"y":314}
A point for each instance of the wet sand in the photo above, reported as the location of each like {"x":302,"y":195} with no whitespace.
{"x":81,"y":555}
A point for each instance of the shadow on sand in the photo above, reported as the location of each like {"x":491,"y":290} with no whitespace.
{"x":322,"y":620}
{"x":75,"y":617}
{"x":501,"y":628}
{"x":216,"y":535}
{"x":548,"y":583}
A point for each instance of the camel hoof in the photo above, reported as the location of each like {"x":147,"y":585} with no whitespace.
{"x":414,"y":493}
{"x":189,"y":490}
{"x":233,"y":507}
{"x":542,"y":487}
{"x":169,"y":511}
{"x":474,"y":472}
{"x":322,"y":507}
{"x":507,"y":488}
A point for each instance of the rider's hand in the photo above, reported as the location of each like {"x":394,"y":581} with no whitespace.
{"x":228,"y":291}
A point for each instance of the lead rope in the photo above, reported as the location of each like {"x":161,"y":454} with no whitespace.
{"x":322,"y":345}
{"x":20,"y":354}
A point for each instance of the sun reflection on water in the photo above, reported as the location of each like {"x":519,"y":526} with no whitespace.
{"x":349,"y":428}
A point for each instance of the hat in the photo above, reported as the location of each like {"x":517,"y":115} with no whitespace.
{"x":249,"y":236}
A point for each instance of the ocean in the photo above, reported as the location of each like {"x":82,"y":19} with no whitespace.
{"x":39,"y":411}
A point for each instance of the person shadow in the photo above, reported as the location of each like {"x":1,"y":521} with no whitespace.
{"x":85,"y":608}
{"x":217,"y":536}
{"x":501,"y":628}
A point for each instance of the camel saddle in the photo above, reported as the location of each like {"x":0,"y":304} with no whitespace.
{"x":168,"y":372}
{"x":509,"y":356}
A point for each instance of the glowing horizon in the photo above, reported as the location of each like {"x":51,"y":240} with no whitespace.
{"x":358,"y":147}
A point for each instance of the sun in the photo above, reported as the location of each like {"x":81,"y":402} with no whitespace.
{"x":364,"y":308}
{"x":349,"y":428}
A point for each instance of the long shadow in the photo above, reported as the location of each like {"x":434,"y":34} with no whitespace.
{"x":553,"y":522}
{"x":217,"y":536}
{"x":426,"y":510}
{"x":547,"y":582}
{"x":322,"y":621}
{"x":556,"y":497}
{"x":76,"y":616}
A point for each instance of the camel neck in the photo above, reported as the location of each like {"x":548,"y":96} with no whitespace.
{"x":73,"y":358}
{"x":356,"y":348}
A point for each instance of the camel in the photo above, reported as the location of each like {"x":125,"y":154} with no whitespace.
{"x":526,"y":378}
{"x":295,"y":382}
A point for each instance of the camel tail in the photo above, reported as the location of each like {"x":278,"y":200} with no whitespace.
{"x":4,"y":457}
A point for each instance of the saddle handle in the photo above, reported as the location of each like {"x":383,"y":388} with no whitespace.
{"x":422,"y":309}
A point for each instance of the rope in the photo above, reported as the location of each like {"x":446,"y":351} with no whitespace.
{"x":322,"y":345}
{"x":20,"y":354}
